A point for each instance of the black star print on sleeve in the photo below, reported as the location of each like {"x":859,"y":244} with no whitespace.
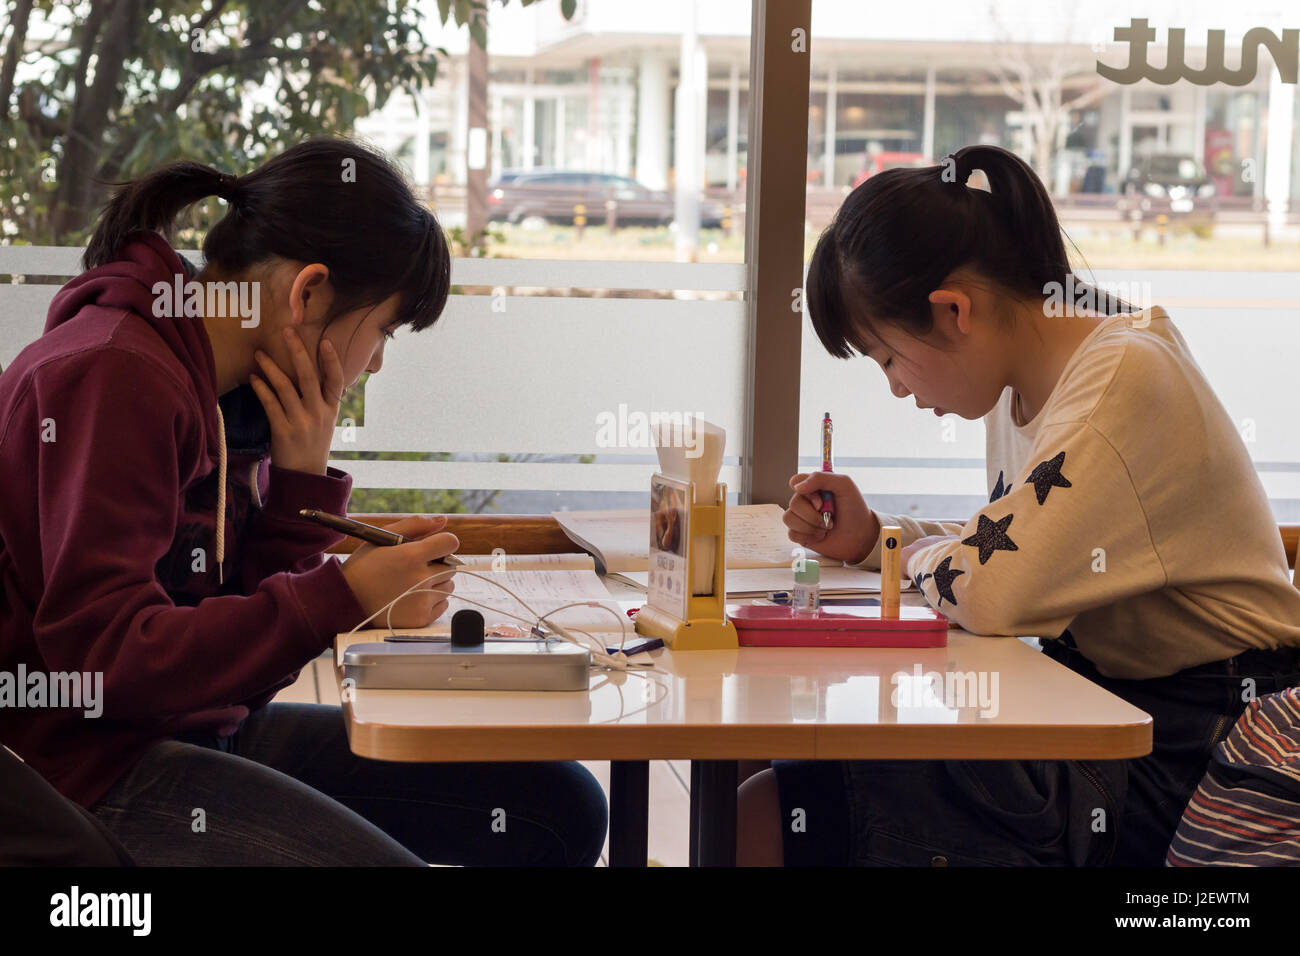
{"x":1047,"y":476}
{"x":999,"y":490}
{"x":943,"y":578}
{"x":991,"y":536}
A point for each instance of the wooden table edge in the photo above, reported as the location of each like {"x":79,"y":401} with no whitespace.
{"x":510,"y":743}
{"x":615,"y":741}
{"x":524,"y":742}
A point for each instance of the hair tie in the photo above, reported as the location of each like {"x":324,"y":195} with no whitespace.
{"x":226,"y":187}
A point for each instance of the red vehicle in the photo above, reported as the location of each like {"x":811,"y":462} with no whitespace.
{"x":879,"y":162}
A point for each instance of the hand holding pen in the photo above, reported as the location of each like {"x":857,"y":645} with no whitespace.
{"x":848,"y":530}
{"x":371,"y":534}
{"x":378,"y":573}
{"x":856,"y":526}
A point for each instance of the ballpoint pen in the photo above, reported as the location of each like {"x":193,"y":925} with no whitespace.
{"x":828,"y":500}
{"x":366,"y":532}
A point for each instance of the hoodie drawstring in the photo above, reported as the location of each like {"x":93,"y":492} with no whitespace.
{"x":252,"y":483}
{"x":221,"y":499}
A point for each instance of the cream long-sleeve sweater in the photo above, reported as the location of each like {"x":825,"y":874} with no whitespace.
{"x":1128,"y":510}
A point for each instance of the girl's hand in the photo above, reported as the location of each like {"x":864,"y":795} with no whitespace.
{"x":854,"y":529}
{"x":302,"y":425}
{"x":905,"y":556}
{"x":378,"y":575}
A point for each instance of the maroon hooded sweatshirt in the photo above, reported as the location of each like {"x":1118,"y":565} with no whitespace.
{"x":110,"y":460}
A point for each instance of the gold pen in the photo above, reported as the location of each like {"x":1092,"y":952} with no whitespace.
{"x":367,"y":532}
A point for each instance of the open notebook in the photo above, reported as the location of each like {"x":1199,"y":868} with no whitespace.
{"x":544,"y":582}
{"x":759,"y":550}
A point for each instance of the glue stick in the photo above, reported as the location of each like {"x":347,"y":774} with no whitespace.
{"x":806,"y":596}
{"x":890,"y":570}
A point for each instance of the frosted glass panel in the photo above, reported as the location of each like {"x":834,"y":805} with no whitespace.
{"x":536,"y":376}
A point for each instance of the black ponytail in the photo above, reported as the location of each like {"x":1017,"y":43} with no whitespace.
{"x":330,"y":200}
{"x":901,"y":233}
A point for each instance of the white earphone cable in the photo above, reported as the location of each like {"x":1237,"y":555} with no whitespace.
{"x":617,"y":661}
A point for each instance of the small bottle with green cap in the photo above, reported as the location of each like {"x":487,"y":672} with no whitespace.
{"x":805,"y":599}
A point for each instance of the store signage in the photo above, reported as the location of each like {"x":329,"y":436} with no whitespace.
{"x":1284,"y":50}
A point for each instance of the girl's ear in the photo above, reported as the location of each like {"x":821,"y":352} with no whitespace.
{"x":309,"y":294}
{"x":951,"y":310}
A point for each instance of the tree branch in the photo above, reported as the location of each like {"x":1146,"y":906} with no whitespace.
{"x":202,"y":23}
{"x":1088,"y":97}
{"x":14,"y":52}
{"x":29,"y":111}
{"x":257,"y":48}
{"x":90,"y":114}
{"x":89,"y":34}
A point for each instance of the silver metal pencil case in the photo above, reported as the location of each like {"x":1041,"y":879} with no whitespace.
{"x":539,"y":665}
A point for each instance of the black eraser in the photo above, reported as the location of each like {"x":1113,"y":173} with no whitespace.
{"x":466,"y":628}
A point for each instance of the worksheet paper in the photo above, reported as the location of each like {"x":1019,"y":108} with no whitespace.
{"x":756,"y":537}
{"x":528,"y":562}
{"x":758,"y":582}
{"x":543,"y":591}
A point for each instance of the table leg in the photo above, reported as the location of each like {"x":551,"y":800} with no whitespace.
{"x":696,"y":787}
{"x":629,"y":812}
{"x":713,"y":813}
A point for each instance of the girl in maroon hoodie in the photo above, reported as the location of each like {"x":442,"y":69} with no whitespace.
{"x":154,"y":463}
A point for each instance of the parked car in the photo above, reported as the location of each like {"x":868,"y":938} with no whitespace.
{"x":879,"y":162}
{"x":510,"y":175}
{"x":534,"y":198}
{"x":1174,"y":185}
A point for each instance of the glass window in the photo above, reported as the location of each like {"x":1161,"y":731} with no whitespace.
{"x":597,"y":325}
{"x":1161,"y":187}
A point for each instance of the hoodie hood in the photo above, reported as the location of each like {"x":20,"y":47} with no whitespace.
{"x":128,"y":283}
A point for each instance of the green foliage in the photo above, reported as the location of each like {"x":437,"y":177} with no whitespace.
{"x":115,"y":97}
{"x":477,"y":246}
{"x":474,"y":13}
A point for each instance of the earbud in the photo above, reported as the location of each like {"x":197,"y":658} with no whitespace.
{"x":466,"y":628}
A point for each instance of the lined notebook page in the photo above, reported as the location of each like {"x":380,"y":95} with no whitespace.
{"x":756,"y":537}
{"x":529,"y":562}
{"x":542,"y":591}
{"x":757,"y":582}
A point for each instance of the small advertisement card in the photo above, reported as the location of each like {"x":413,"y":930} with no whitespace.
{"x":668,"y":587}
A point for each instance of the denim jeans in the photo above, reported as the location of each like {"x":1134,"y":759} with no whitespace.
{"x":286,"y":790}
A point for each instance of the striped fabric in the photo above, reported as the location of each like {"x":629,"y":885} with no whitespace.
{"x":1246,"y":812}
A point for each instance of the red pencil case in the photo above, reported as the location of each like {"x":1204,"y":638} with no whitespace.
{"x":759,"y":625}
